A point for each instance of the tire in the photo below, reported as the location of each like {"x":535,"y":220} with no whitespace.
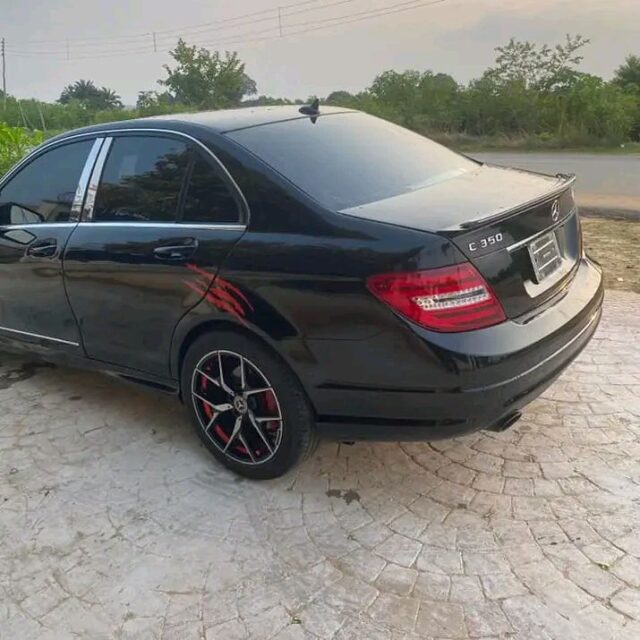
{"x":262,"y":447}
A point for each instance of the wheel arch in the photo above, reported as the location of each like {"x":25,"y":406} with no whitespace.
{"x":210,"y":325}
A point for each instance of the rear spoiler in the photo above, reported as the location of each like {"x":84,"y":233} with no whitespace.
{"x":568,"y":179}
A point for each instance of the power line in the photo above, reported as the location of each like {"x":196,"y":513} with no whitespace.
{"x":267,"y":15}
{"x":247,"y":37}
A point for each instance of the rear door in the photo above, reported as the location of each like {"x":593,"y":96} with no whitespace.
{"x":38,"y":211}
{"x":161,"y":215}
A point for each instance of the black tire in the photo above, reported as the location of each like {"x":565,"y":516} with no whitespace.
{"x":297,"y":437}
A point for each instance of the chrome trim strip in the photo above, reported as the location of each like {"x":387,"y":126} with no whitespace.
{"x":163,"y":225}
{"x":39,"y":225}
{"x":111,"y":132}
{"x":539,"y":234}
{"x":78,"y":199}
{"x":94,"y":181}
{"x":37,"y":335}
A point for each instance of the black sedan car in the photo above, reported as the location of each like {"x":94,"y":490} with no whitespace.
{"x":292,"y":273}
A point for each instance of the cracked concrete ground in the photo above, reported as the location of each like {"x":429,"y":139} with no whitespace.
{"x":116,"y":523}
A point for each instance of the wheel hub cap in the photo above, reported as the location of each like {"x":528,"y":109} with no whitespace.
{"x":240,"y":405}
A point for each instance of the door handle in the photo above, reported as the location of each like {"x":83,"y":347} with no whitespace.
{"x":177,"y":252}
{"x":42,"y":249}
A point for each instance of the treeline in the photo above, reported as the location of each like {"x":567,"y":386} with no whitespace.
{"x":533,"y":93}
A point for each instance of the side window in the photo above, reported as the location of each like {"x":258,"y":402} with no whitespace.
{"x":142,"y":180}
{"x":208,"y":198}
{"x":43,"y":191}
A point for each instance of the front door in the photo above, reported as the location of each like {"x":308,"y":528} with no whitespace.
{"x":164,"y":218}
{"x":36,"y":206}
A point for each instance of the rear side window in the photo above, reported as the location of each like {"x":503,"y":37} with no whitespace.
{"x":44,"y":190}
{"x":349,"y":159}
{"x":208,"y":198}
{"x":142,"y":180}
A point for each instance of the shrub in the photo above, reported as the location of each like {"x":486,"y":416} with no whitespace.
{"x":15,"y":142}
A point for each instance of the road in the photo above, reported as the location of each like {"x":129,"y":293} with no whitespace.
{"x":607,"y":180}
{"x":116,"y":523}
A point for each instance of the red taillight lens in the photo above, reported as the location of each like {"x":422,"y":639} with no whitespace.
{"x":450,"y":299}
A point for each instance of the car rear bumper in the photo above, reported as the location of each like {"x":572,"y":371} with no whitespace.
{"x":420,"y":385}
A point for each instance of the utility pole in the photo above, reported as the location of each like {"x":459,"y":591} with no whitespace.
{"x":155,"y":45}
{"x":280,"y":20}
{"x":4,"y":77}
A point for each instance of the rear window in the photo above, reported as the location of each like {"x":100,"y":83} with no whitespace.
{"x":350,"y":159}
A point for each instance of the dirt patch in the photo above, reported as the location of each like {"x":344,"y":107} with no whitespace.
{"x":615,"y":244}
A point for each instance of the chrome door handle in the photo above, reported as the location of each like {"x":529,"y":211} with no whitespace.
{"x":45,"y":249}
{"x":176,"y":253}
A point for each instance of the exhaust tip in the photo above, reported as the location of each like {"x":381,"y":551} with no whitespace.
{"x":505,"y":423}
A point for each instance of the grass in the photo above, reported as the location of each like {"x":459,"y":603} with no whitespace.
{"x":530,"y":143}
{"x":615,"y":245}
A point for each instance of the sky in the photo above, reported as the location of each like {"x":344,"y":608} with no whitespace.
{"x":51,"y":43}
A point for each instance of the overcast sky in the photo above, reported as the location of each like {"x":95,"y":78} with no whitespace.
{"x":453,"y":36}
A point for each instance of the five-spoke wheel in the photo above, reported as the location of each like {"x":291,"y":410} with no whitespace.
{"x":247,"y":406}
{"x":237,"y":407}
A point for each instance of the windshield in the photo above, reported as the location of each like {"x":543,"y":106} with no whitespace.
{"x":349,"y":159}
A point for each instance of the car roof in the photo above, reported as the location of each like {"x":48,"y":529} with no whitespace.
{"x":220,"y":122}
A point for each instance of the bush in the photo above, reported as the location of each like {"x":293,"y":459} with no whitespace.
{"x":15,"y":142}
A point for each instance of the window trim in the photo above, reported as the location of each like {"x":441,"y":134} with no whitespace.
{"x":87,"y":213}
{"x":106,"y":134}
{"x":79,"y":195}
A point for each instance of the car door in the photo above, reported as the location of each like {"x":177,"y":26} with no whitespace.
{"x":161,"y":214}
{"x":39,"y":208}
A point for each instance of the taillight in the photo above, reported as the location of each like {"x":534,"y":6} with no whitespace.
{"x":448,"y":299}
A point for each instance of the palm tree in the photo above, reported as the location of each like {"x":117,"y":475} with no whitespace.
{"x":89,"y":96}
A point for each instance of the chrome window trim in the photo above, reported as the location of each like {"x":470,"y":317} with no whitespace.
{"x":245,"y":210}
{"x":76,"y":207}
{"x":163,"y":225}
{"x":94,"y":180}
{"x":37,"y":335}
{"x":46,"y":146}
{"x":38,"y":225}
{"x":521,"y":243}
{"x":41,"y":149}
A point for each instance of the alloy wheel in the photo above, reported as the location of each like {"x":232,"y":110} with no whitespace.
{"x":237,"y":407}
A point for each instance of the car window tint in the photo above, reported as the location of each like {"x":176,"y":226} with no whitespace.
{"x":44,"y":190}
{"x":349,"y":159}
{"x":142,"y":180}
{"x":208,"y":197}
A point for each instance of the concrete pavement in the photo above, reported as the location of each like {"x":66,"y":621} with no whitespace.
{"x":116,"y":523}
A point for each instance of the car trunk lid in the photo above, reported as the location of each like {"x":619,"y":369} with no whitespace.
{"x":519,"y":229}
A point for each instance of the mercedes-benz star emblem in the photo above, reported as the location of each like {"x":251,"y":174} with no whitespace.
{"x":555,"y":211}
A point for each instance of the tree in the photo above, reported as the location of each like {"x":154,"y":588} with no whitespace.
{"x":537,"y":67}
{"x":152,"y":100}
{"x":627,"y":75}
{"x":340,"y":98}
{"x":85,"y":93}
{"x":206,"y":79}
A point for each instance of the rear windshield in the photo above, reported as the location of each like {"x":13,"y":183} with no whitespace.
{"x":350,"y":159}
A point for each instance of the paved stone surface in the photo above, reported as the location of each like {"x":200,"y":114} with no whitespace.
{"x":115,"y":523}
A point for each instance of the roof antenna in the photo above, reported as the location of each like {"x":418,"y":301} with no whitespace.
{"x":312,"y":110}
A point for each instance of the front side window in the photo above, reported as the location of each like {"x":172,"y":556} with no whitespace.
{"x":43,"y":191}
{"x":208,"y":198}
{"x":142,"y":180}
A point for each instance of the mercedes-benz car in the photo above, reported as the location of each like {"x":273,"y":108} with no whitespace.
{"x":292,"y":273}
